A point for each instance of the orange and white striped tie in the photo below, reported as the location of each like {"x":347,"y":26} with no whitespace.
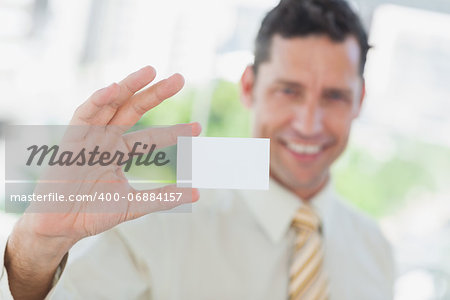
{"x":307,"y":279}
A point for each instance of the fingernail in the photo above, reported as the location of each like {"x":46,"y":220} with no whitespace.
{"x":195,"y":195}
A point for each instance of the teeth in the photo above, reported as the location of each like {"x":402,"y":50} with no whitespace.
{"x":303,"y":148}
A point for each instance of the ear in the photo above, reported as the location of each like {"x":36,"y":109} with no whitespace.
{"x":247,"y":82}
{"x":361,"y":99}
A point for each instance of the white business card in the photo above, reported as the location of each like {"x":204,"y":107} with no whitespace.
{"x":223,"y":163}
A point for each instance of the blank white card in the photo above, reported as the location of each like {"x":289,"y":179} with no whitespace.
{"x":223,"y":163}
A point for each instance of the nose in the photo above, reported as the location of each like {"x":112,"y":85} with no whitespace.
{"x":308,"y":118}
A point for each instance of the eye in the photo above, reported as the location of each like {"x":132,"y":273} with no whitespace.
{"x":335,"y":95}
{"x":288,"y":91}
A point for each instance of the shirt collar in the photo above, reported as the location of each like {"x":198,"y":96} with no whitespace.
{"x":275,"y":208}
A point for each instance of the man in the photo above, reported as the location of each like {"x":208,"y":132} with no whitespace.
{"x":296,"y":241}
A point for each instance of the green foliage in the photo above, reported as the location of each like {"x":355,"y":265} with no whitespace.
{"x":381,"y":187}
{"x":228,"y":117}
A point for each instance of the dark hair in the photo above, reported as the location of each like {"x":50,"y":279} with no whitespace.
{"x":298,"y":18}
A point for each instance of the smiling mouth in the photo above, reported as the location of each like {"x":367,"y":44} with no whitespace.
{"x":305,"y":152}
{"x":304,"y":149}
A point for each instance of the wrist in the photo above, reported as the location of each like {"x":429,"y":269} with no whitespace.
{"x":31,"y":260}
{"x":34,"y":251}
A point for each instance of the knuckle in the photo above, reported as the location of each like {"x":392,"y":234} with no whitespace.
{"x":114,"y":105}
{"x":139,"y":108}
{"x":79,"y":114}
{"x":78,"y":110}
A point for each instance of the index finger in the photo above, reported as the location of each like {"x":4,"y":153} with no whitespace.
{"x":100,"y":108}
{"x":129,"y":113}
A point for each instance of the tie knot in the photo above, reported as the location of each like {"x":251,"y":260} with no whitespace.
{"x":306,"y":218}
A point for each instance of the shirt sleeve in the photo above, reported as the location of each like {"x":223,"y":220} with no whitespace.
{"x":103,"y":267}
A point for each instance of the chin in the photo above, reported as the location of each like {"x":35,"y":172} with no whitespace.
{"x":294,"y":180}
{"x":302,"y":182}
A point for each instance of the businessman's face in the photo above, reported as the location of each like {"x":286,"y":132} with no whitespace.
{"x":304,"y":98}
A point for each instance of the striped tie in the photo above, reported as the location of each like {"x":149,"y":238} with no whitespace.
{"x":307,"y":280}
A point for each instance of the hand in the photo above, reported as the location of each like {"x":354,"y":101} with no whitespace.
{"x":51,"y":229}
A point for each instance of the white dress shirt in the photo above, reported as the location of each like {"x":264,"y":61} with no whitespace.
{"x":234,"y":245}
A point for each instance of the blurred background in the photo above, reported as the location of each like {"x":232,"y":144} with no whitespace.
{"x":54,"y":54}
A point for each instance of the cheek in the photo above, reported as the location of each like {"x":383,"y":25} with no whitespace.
{"x":337,"y":123}
{"x":270,"y":116}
